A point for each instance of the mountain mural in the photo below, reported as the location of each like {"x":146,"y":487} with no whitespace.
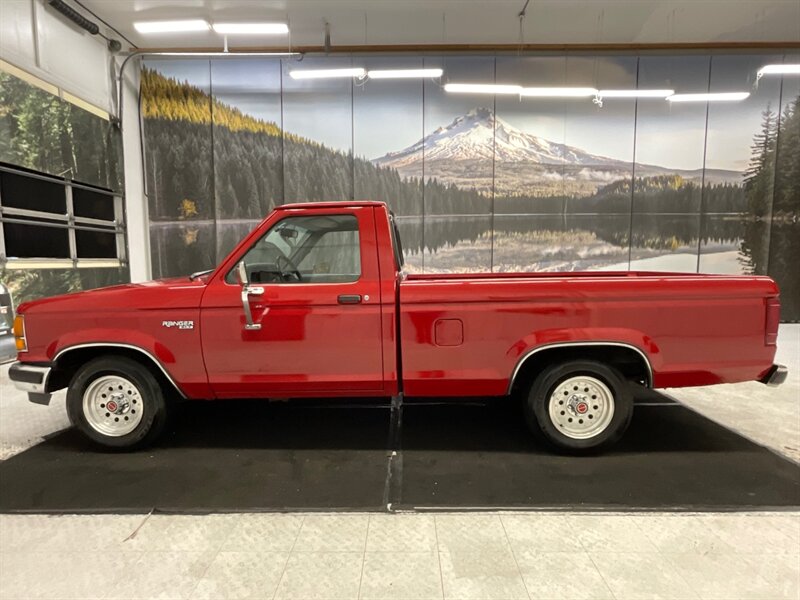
{"x":524,"y":163}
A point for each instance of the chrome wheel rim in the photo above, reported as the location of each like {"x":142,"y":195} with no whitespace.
{"x":581,"y":407}
{"x":112,"y":405}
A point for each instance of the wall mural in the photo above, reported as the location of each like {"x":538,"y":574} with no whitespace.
{"x":486,"y":182}
{"x":42,"y":132}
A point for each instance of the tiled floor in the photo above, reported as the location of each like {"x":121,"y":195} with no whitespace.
{"x":416,"y":556}
{"x":411,"y":556}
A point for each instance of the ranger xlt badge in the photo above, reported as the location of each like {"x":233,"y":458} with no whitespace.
{"x":178,"y":324}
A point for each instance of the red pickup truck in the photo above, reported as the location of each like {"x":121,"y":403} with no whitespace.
{"x":315,"y":303}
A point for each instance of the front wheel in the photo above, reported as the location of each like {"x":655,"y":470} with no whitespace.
{"x":117,"y":402}
{"x":579,"y":406}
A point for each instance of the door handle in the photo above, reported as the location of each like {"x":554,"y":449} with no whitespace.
{"x":350,"y":299}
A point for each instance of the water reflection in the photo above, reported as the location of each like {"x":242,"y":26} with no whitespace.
{"x":506,"y":243}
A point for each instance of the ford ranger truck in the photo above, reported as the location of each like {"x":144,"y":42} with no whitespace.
{"x":315,"y":303}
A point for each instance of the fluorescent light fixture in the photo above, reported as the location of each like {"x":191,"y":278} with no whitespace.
{"x":251,"y":28}
{"x":327,"y":73}
{"x":784,"y":69}
{"x":713,"y":97}
{"x":404,"y":73}
{"x":481,"y":88}
{"x":635,"y":93}
{"x":171,"y":26}
{"x":558,"y":92}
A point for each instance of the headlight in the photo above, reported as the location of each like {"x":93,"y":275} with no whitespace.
{"x":19,"y":333}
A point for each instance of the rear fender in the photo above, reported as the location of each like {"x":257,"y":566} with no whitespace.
{"x":547,"y":339}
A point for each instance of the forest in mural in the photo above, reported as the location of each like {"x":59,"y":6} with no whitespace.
{"x":42,"y":132}
{"x":477,"y":183}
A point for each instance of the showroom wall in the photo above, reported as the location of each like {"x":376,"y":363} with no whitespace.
{"x":485,"y":182}
{"x":60,"y":157}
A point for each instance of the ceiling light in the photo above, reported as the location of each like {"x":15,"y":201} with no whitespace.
{"x":635,"y":93}
{"x":779,"y":70}
{"x":328,"y":73}
{"x":558,"y":92}
{"x":404,"y":73}
{"x":481,"y":88}
{"x":171,"y":26}
{"x":251,"y":28}
{"x":714,"y":97}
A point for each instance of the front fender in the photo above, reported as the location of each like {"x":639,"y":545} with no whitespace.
{"x":176,"y":352}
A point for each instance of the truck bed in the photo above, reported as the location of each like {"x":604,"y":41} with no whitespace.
{"x":694,"y":329}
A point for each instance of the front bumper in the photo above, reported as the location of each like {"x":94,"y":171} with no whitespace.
{"x":32,"y":379}
{"x":775,"y":376}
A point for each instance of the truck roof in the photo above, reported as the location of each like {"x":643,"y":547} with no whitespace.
{"x":338,"y":204}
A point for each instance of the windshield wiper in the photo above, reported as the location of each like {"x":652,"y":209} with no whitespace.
{"x":194,"y":276}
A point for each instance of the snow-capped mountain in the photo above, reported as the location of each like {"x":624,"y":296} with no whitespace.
{"x":472,"y":136}
{"x":461,"y":153}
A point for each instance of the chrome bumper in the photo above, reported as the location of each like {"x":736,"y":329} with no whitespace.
{"x":32,"y":379}
{"x":775,"y":376}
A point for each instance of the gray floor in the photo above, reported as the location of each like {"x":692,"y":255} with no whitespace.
{"x":482,"y":556}
{"x":476,"y":556}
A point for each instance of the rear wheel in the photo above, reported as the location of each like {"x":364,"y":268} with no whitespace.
{"x":117,"y":402}
{"x":579,"y":406}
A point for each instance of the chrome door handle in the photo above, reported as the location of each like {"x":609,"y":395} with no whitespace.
{"x":254,"y":290}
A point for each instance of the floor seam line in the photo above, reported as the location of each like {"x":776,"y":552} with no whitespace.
{"x":364,"y":557}
{"x":514,"y":556}
{"x":438,"y":554}
{"x":589,"y":555}
{"x":288,"y":556}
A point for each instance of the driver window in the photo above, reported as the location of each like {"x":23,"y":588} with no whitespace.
{"x":315,"y":249}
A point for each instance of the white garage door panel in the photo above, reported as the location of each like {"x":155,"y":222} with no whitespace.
{"x":16,"y":31}
{"x":76,"y":60}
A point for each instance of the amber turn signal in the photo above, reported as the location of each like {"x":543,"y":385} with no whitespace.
{"x":19,"y":333}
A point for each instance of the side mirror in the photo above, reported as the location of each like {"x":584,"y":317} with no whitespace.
{"x":241,"y":273}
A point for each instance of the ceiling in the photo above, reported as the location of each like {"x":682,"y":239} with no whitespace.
{"x":423,"y":22}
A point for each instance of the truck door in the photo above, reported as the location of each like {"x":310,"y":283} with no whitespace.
{"x":314,"y":302}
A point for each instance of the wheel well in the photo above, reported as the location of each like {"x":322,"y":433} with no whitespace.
{"x":630,"y":362}
{"x":68,"y":364}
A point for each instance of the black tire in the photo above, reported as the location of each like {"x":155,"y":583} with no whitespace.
{"x":154,"y":405}
{"x":537,"y":406}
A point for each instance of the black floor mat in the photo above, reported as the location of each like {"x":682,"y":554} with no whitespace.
{"x":221,"y":456}
{"x":670,"y":457}
{"x":239,"y":456}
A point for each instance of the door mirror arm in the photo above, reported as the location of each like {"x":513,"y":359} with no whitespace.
{"x":247,"y":291}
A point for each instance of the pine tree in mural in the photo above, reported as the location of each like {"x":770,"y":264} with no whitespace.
{"x":785,"y":231}
{"x":772,"y":186}
{"x":760,"y":173}
{"x":787,"y":163}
